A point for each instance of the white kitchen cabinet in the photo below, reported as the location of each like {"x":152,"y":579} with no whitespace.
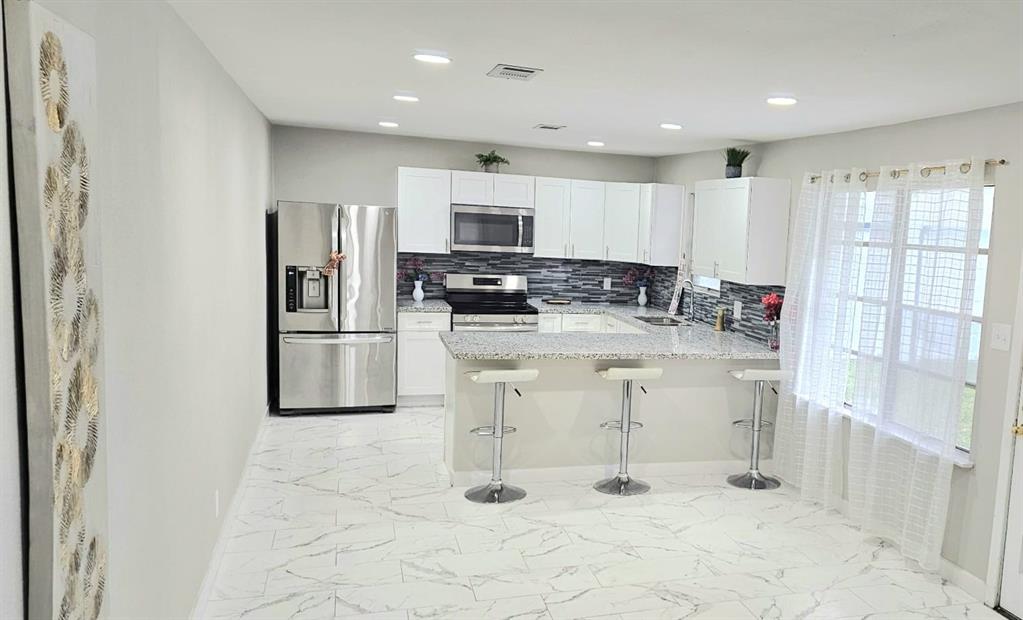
{"x":586,"y":227}
{"x":549,"y":323}
{"x":424,"y":210}
{"x":551,"y":217}
{"x":514,"y":190}
{"x":472,"y":188}
{"x":621,"y":221}
{"x":661,"y":208}
{"x":740,"y":230}
{"x":421,"y":355}
{"x":582,"y":323}
{"x":611,"y":324}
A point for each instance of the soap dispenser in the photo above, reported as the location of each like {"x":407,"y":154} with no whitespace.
{"x":719,"y":323}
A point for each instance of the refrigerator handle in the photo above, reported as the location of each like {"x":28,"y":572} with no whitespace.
{"x":341,"y":226}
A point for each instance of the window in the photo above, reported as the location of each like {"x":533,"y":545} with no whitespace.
{"x":926,"y":243}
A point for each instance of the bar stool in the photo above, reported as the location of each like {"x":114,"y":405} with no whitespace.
{"x":623,"y":484}
{"x":496,"y":491}
{"x":753,"y":479}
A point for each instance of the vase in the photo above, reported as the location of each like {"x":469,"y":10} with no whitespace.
{"x":774,"y":338}
{"x":417,"y":292}
{"x":493,"y":168}
{"x":642,"y":296}
{"x":733,"y":172}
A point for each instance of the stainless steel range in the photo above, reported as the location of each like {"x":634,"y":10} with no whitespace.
{"x":494,"y":303}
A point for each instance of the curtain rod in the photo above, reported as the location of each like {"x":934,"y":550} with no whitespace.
{"x":926,"y":171}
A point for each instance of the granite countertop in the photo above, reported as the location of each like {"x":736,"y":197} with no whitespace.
{"x":688,"y":341}
{"x":427,"y":305}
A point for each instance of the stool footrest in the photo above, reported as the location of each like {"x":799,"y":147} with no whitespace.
{"x":616,"y":425}
{"x":748,"y":423}
{"x":488,"y":431}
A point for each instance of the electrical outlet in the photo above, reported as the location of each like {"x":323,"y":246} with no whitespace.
{"x":216,"y":503}
{"x":737,"y":311}
{"x":607,"y":284}
{"x":1001,"y":336}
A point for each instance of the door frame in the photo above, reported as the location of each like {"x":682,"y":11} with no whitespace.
{"x":1013,"y":401}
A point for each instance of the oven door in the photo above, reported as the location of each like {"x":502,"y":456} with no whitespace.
{"x":491,"y":229}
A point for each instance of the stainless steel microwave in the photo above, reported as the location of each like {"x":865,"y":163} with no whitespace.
{"x":491,"y":229}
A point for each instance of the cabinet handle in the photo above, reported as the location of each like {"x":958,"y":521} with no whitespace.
{"x":447,"y":243}
{"x":573,"y":250}
{"x":607,"y":251}
{"x":566,"y":249}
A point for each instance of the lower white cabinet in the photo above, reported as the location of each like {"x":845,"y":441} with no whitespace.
{"x":421,"y":354}
{"x":549,"y":323}
{"x":582,"y":323}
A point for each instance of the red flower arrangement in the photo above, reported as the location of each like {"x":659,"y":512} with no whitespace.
{"x":772,"y":307}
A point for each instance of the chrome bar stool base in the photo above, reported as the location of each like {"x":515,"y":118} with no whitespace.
{"x":491,"y":493}
{"x":754,"y":481}
{"x":616,"y":486}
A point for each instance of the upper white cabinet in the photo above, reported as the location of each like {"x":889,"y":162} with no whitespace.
{"x":472,"y":188}
{"x":586,"y":229}
{"x":740,"y":230}
{"x":497,"y":190}
{"x":513,"y":190}
{"x":661,"y":207}
{"x":424,"y":210}
{"x":621,"y":221}
{"x":551,"y":217}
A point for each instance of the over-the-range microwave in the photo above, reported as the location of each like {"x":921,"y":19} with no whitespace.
{"x":491,"y":229}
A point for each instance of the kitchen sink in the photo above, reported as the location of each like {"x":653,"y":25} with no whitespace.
{"x":663,"y":321}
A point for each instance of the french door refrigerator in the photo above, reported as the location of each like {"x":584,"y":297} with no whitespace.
{"x":336,"y":346}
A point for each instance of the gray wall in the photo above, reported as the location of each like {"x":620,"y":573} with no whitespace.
{"x":10,"y":477}
{"x":182,"y":178}
{"x":990,"y":134}
{"x":323,"y":165}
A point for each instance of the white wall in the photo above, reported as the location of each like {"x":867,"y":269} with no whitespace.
{"x":10,"y":476}
{"x":182,"y":176}
{"x":323,"y":165}
{"x":987,"y":134}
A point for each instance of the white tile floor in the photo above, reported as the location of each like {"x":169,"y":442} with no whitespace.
{"x":352,"y":516}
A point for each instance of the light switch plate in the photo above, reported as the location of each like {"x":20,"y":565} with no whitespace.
{"x":737,"y":311}
{"x":1001,"y":336}
{"x":607,"y":284}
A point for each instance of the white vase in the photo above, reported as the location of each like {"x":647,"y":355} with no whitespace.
{"x":417,"y":293}
{"x":642,"y":296}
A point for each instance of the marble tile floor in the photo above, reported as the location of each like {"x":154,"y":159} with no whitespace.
{"x":353,"y":517}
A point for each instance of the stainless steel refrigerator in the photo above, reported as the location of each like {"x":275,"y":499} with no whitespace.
{"x":335,"y":346}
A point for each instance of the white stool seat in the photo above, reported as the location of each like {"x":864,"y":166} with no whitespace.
{"x":630,"y":374}
{"x":515,"y":375}
{"x":760,"y":374}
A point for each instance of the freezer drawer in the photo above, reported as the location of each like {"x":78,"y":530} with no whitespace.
{"x":337,"y":370}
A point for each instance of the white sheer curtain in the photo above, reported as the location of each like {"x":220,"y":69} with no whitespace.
{"x":876,"y":328}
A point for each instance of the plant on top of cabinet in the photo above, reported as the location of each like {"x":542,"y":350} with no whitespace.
{"x":734,"y":158}
{"x":491,"y":162}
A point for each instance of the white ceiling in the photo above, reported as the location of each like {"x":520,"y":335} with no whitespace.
{"x":613,"y":71}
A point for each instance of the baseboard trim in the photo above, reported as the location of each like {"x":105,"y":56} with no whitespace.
{"x":970,"y":583}
{"x":430,"y":400}
{"x":593,"y":473}
{"x":209,"y":580}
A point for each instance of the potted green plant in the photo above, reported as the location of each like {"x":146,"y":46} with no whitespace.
{"x":491,"y":162}
{"x":734,"y":157}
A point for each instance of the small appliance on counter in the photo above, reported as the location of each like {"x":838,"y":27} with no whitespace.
{"x":491,"y":303}
{"x":333,"y":345}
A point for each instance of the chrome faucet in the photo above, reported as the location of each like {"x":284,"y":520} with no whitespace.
{"x":692,"y":298}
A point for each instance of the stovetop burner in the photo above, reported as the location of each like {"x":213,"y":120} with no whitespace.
{"x":489,"y":303}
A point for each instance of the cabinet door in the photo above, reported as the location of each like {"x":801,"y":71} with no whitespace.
{"x":586,"y":229}
{"x":720,"y":230}
{"x":472,"y":188}
{"x":665,"y":227}
{"x":621,"y":221}
{"x":421,"y":363}
{"x":646,"y":198}
{"x":549,"y":324}
{"x":513,"y":190}
{"x":551,"y":217}
{"x":611,"y":325}
{"x":582,"y":323}
{"x":424,"y":210}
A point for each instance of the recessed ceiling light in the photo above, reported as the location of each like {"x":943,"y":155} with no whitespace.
{"x":432,"y":56}
{"x":670,"y":126}
{"x":782,"y":100}
{"x":405,"y":97}
{"x":594,"y":143}
{"x":388,"y":124}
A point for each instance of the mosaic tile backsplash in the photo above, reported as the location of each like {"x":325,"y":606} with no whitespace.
{"x":579,"y":280}
{"x":583,"y":280}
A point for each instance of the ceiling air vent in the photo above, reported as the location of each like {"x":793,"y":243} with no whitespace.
{"x":548,"y":127}
{"x":512,"y":72}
